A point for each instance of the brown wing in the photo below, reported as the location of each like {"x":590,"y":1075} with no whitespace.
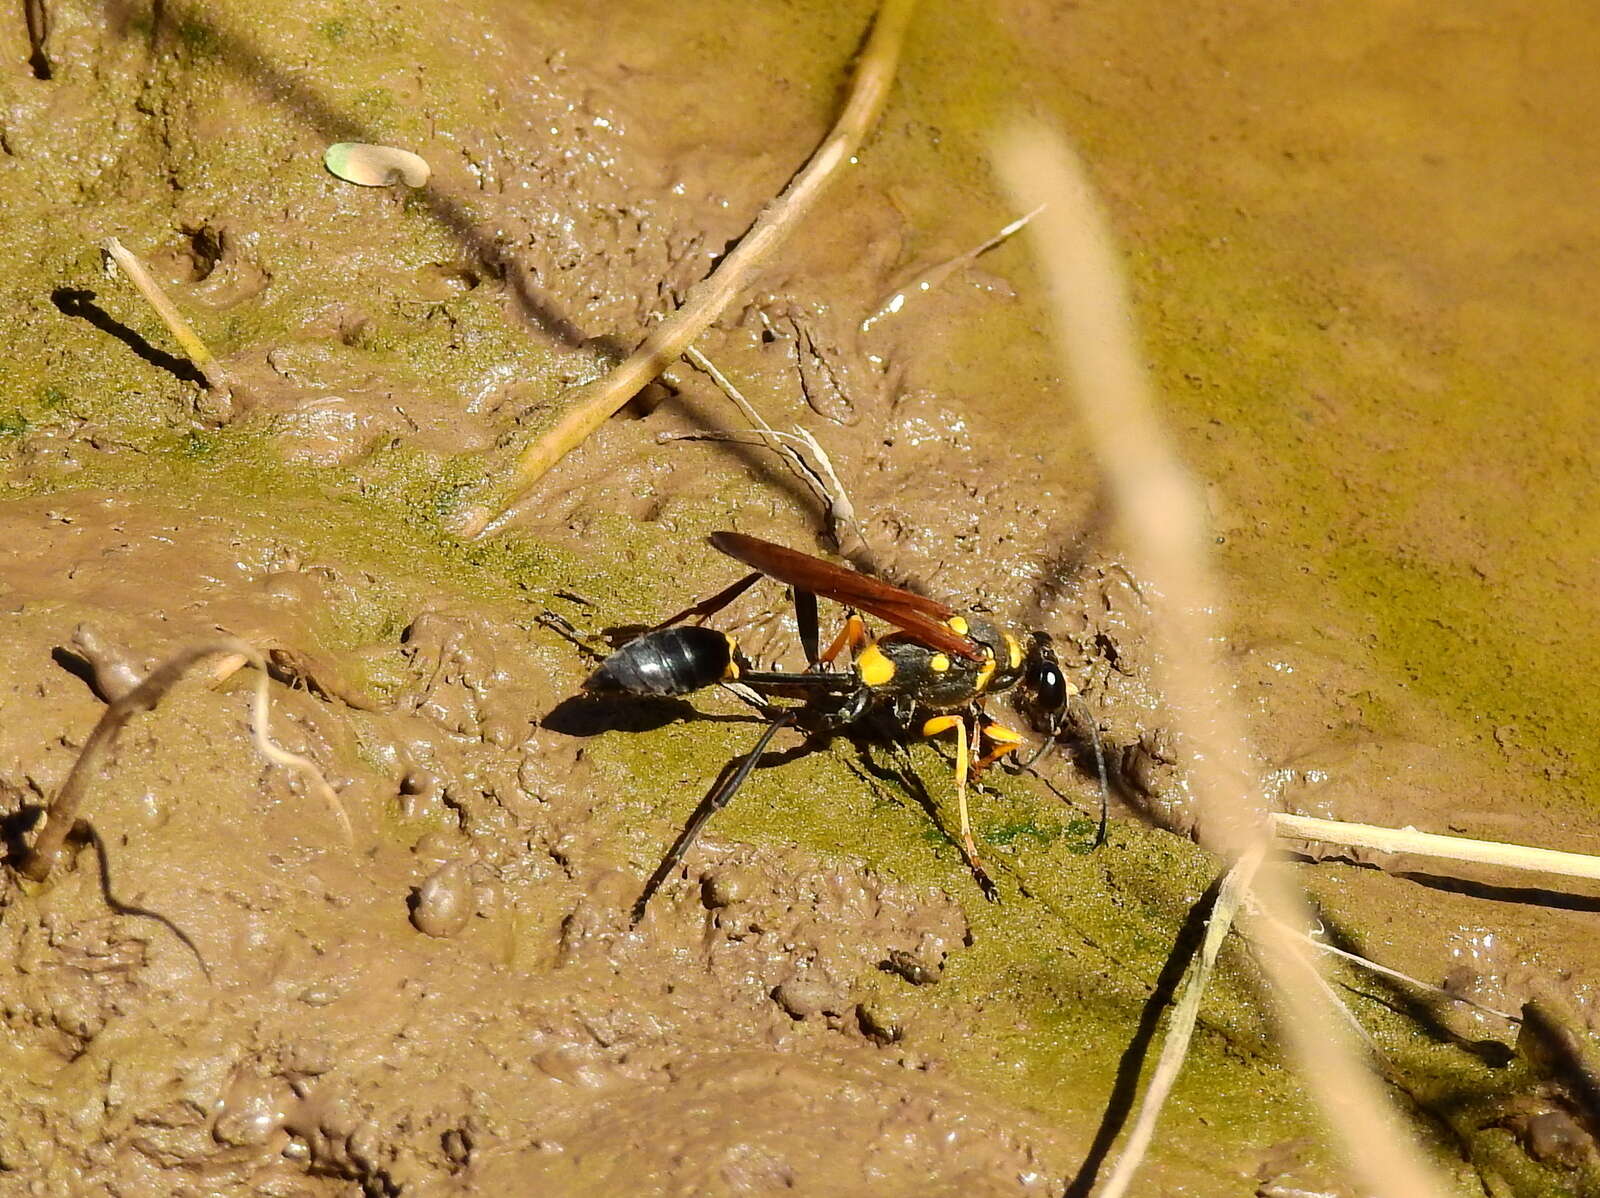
{"x":924,"y":618}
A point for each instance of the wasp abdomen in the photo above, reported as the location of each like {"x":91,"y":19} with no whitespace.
{"x":668,"y":661}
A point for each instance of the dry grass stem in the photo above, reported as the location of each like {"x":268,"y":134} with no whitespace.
{"x":822,"y":480}
{"x":188,"y":340}
{"x":1163,"y":529}
{"x":926,"y":280}
{"x":1369,"y":964}
{"x":593,"y":403}
{"x":1431,"y":844}
{"x":62,"y":814}
{"x":769,"y":436}
{"x":1180,"y":1028}
{"x":841,"y":512}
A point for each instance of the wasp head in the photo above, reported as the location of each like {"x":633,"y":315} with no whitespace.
{"x":1045,"y":689}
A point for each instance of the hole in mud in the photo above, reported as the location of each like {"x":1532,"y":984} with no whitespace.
{"x":38,"y":20}
{"x":353,"y":329}
{"x":651,"y":396}
{"x":456,"y":1144}
{"x":205,"y":251}
{"x":441,"y":280}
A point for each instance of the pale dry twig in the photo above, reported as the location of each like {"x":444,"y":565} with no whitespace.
{"x":594,"y":402}
{"x":1432,"y":844}
{"x":1161,"y":517}
{"x":1180,"y":1027}
{"x":188,"y":340}
{"x":61,"y":816}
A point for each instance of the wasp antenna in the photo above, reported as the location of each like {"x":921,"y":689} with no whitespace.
{"x":564,"y":628}
{"x":1044,"y":747}
{"x":1100,"y":768}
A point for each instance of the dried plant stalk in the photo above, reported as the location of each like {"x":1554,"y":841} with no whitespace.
{"x":822,"y":480}
{"x":1431,"y":844}
{"x":188,"y":340}
{"x":1161,"y":517}
{"x":1180,"y":1028}
{"x":592,"y":403}
{"x":62,"y":815}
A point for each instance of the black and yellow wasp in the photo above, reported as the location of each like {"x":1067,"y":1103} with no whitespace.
{"x":929,"y":677}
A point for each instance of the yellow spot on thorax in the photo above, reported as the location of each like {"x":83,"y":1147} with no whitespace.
{"x":873,"y":667}
{"x":938,"y":663}
{"x":958,"y":625}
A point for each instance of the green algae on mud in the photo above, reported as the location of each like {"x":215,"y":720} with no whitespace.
{"x":1358,"y":353}
{"x":1045,"y":992}
{"x":1247,"y":322}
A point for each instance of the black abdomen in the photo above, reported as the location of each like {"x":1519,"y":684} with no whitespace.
{"x":669,"y":661}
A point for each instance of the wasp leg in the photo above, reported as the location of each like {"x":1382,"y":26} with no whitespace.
{"x":1100,"y":767}
{"x":807,"y":624}
{"x":564,"y":628}
{"x":958,"y":721}
{"x":719,"y":798}
{"x":1002,"y":740}
{"x":711,"y":606}
{"x":852,"y":636}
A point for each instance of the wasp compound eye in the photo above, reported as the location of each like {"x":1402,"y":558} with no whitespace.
{"x":1045,"y":685}
{"x":1049,"y":686}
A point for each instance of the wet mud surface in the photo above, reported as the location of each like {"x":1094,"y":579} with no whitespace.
{"x":223,"y":997}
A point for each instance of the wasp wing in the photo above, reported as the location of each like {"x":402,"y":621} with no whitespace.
{"x":922,"y":617}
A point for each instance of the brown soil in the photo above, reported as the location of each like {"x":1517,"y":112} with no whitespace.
{"x":1347,"y":259}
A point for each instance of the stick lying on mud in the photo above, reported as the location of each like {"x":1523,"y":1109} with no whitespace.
{"x":1431,"y":844}
{"x":822,"y":480}
{"x":1180,"y":1027}
{"x":1161,"y":518}
{"x":594,"y":402}
{"x":62,"y":815}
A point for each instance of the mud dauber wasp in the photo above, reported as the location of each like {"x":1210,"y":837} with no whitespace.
{"x":931,"y":676}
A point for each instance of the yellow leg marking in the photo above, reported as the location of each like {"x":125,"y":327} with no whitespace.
{"x":852,"y":636}
{"x":1002,"y":740}
{"x":943,"y":723}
